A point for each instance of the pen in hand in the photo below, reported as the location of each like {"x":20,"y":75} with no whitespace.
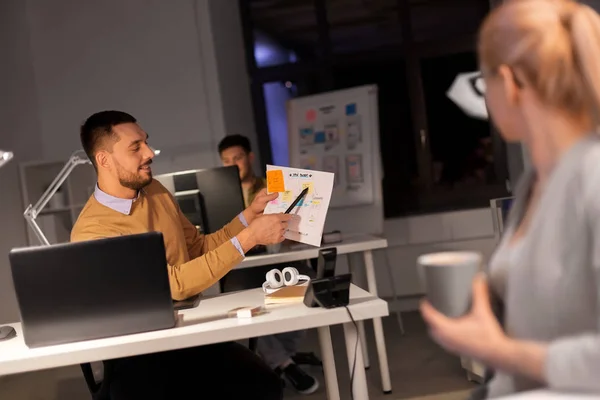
{"x":300,"y":196}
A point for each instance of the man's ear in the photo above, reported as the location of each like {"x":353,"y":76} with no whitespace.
{"x":251,"y":157}
{"x":512,"y":91}
{"x":103,"y":160}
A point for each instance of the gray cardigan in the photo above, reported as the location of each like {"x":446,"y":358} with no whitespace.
{"x":549,"y":281}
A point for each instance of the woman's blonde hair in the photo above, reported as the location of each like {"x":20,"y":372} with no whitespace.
{"x":553,"y":46}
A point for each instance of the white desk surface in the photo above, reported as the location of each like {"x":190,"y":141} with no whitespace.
{"x":206,"y":324}
{"x":351,"y":244}
{"x":549,"y":395}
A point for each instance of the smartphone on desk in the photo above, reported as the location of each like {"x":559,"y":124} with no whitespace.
{"x":186,"y":304}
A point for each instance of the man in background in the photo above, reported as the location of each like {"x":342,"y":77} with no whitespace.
{"x":127,"y":200}
{"x":277,"y":350}
{"x":236,"y":150}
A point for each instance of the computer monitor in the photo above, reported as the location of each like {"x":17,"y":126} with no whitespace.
{"x":210,"y":198}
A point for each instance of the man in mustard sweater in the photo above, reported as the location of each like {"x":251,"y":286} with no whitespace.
{"x":128,"y":201}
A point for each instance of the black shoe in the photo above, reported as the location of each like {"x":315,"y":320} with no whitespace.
{"x":302,"y":382}
{"x":307,"y":359}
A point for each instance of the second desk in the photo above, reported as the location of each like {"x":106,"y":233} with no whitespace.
{"x":364,"y":244}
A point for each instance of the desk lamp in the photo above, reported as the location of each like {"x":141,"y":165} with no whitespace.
{"x":5,"y":156}
{"x":32,"y":211}
{"x":6,"y":332}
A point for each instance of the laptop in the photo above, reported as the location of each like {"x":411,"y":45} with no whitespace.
{"x":94,"y":289}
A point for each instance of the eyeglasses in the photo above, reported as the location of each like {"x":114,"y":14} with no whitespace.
{"x":478,"y":84}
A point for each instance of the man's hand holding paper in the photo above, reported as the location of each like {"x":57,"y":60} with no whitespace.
{"x":311,"y":209}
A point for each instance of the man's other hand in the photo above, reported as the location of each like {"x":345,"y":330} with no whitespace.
{"x":261,"y":200}
{"x":265,"y":229}
{"x":258,"y":205}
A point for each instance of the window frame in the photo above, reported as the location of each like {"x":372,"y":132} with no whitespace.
{"x":429,"y":197}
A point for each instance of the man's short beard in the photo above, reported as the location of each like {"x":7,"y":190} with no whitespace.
{"x":132,"y":181}
{"x":135,"y":182}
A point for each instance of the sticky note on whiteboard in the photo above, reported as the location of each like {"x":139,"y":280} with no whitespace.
{"x":275,"y":182}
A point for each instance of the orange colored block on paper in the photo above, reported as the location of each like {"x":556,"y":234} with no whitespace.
{"x":275,"y":182}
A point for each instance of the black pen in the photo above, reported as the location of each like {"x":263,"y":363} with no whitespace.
{"x":300,"y":196}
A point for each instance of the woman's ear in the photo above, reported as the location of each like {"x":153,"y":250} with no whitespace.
{"x":512,"y":90}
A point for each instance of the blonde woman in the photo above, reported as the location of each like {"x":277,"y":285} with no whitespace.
{"x":540,"y":60}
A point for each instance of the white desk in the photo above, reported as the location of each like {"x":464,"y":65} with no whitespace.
{"x":208,"y":324}
{"x":549,"y":395}
{"x":353,"y":244}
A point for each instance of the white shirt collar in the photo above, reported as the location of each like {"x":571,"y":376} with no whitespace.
{"x":115,"y":203}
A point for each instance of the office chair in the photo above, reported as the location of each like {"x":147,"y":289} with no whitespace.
{"x":98,"y":390}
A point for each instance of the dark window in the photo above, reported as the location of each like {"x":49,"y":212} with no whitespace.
{"x":435,"y":157}
{"x":396,"y":141}
{"x":455,"y":138}
{"x":288,"y":27}
{"x":358,"y":25}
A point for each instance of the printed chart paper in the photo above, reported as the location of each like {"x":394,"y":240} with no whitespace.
{"x":312,"y":209}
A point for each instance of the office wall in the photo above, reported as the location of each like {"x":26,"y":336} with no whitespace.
{"x":19,"y":132}
{"x":166,"y":62}
{"x":230,"y":61}
{"x":139,"y":56}
{"x":412,"y":236}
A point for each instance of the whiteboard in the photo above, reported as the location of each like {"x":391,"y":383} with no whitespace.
{"x":338,"y":132}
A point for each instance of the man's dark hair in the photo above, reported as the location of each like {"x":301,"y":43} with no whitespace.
{"x":233,"y":141}
{"x":98,"y":128}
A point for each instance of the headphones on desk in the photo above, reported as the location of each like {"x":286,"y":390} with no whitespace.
{"x":277,"y":279}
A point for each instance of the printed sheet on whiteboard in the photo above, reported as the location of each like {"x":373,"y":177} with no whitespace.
{"x":312,"y":209}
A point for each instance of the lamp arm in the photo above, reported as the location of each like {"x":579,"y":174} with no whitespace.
{"x":36,"y":228}
{"x":32,"y":211}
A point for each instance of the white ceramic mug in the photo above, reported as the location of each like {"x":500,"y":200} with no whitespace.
{"x":448,"y":278}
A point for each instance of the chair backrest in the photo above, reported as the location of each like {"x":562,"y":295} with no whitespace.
{"x":98,"y":390}
{"x":90,"y":380}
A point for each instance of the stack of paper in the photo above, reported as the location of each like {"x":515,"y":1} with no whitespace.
{"x":286,"y":295}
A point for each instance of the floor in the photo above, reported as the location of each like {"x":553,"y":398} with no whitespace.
{"x":419,"y":369}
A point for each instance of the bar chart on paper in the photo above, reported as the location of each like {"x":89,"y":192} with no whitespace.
{"x":311,"y":210}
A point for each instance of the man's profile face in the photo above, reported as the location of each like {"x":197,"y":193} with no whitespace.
{"x":236,"y":155}
{"x":130,"y":159}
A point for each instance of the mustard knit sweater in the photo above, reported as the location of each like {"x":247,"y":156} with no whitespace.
{"x":195,"y":261}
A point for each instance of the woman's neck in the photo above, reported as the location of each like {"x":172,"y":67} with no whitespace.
{"x":550,"y":136}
